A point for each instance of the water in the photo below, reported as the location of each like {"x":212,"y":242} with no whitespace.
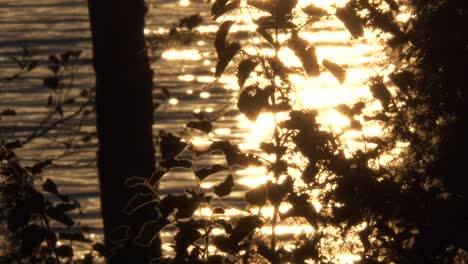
{"x":52,"y":26}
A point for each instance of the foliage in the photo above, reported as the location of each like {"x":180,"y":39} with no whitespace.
{"x":31,"y":213}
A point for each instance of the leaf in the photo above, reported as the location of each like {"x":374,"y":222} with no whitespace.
{"x":224,"y":188}
{"x":8,"y":112}
{"x":217,"y":5}
{"x":32,"y":65}
{"x":272,"y":22}
{"x":265,"y":35}
{"x":65,"y":207}
{"x":204,"y":125}
{"x":278,"y":67}
{"x":191,"y":21}
{"x":276,"y":192}
{"x":18,"y":217}
{"x":252,"y":100}
{"x":76,"y":236}
{"x":135,"y":181}
{"x":54,"y":59}
{"x":64,"y":251}
{"x":150,"y":231}
{"x":55,"y":68}
{"x":50,"y":187}
{"x":32,"y":237}
{"x":244,"y":69}
{"x":58,"y":214}
{"x":51,"y":82}
{"x":218,"y":210}
{"x":233,"y":4}
{"x":229,"y":52}
{"x":392,"y":4}
{"x":173,"y":163}
{"x":257,"y":196}
{"x":244,"y":227}
{"x":306,"y":53}
{"x":403,"y":80}
{"x":380,"y":92}
{"x":313,"y":11}
{"x":38,"y":167}
{"x":301,"y":207}
{"x":205,"y":172}
{"x":139,"y":201}
{"x":264,"y":5}
{"x":221,"y":35}
{"x":170,"y":145}
{"x":283,"y":8}
{"x":309,"y":173}
{"x":351,"y":20}
{"x":336,"y":70}
{"x":269,"y":254}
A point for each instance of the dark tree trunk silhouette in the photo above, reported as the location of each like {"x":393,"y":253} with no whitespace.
{"x":124,"y":110}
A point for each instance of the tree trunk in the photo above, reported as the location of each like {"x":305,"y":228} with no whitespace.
{"x":124,"y":111}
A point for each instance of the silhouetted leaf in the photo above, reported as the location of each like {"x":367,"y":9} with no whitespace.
{"x":252,"y":100}
{"x":336,"y":70}
{"x":76,"y":236}
{"x":18,"y":217}
{"x":265,"y":35}
{"x":149,"y":231}
{"x":276,"y":192}
{"x":309,"y":173}
{"x":54,"y":59}
{"x":134,"y":181}
{"x":173,"y":163}
{"x":217,"y":5}
{"x":170,"y":145}
{"x":271,"y":22}
{"x":378,"y":117}
{"x":229,"y":52}
{"x":51,"y":82}
{"x":32,"y":237}
{"x":313,"y":11}
{"x":221,"y":35}
{"x":205,"y":126}
{"x":244,"y":69}
{"x":59,"y":215}
{"x":283,"y":8}
{"x":218,"y":210}
{"x":278,"y":67}
{"x":403,"y":80}
{"x":269,"y":254}
{"x":233,"y":4}
{"x":306,"y":53}
{"x":351,"y":20}
{"x":50,"y":186}
{"x":257,"y":196}
{"x":38,"y":167}
{"x":224,"y":188}
{"x":380,"y":92}
{"x":138,"y":201}
{"x":264,"y":5}
{"x":8,"y":112}
{"x":32,"y":65}
{"x":244,"y":227}
{"x":392,"y":4}
{"x":301,"y":207}
{"x":191,"y":21}
{"x":64,"y":251}
{"x":205,"y":172}
{"x":65,"y":207}
{"x":55,"y":68}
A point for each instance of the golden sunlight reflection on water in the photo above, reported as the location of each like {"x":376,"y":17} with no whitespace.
{"x":323,"y":93}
